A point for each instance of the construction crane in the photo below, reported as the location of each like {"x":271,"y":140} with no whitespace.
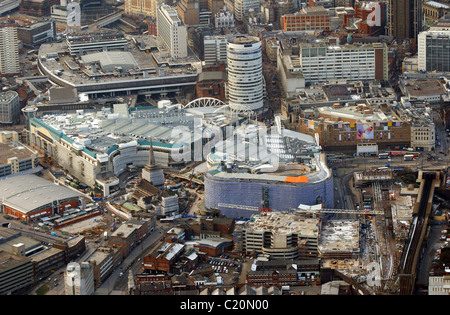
{"x":345,"y":211}
{"x":313,"y":210}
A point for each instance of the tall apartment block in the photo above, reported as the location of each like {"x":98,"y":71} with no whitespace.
{"x":9,"y":49}
{"x":321,"y":62}
{"x":172,"y":31}
{"x":245,"y":78}
{"x":433,"y":51}
{"x":405,"y":18}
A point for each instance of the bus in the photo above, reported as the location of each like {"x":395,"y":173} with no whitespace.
{"x":383,"y":155}
{"x":408,"y":157}
{"x":166,"y":220}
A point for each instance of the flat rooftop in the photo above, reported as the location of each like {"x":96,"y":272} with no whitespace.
{"x":29,"y":192}
{"x":284,"y":223}
{"x":9,"y":260}
{"x":356,"y":114}
{"x":146,"y":67}
{"x":423,"y":87}
{"x":14,"y":149}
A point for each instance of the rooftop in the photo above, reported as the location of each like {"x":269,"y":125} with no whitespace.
{"x":136,"y":63}
{"x":15,"y":149}
{"x":284,"y":224}
{"x":29,"y":192}
{"x":339,"y":236}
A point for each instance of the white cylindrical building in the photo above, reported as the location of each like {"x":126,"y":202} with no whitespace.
{"x":245,"y":77}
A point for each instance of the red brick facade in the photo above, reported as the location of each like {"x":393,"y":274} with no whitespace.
{"x":44,"y":212}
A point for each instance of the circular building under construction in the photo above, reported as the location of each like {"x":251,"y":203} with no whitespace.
{"x":289,"y":170}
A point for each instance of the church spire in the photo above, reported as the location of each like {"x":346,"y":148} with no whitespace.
{"x":151,"y":159}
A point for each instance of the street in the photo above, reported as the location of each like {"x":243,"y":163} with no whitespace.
{"x":133,"y":263}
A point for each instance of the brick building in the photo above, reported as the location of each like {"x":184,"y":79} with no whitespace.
{"x":344,"y":128}
{"x":169,"y":257}
{"x":211,"y":83}
{"x":311,"y":18}
{"x":369,"y":18}
{"x":129,"y":235}
{"x":37,"y":7}
{"x":28,"y":197}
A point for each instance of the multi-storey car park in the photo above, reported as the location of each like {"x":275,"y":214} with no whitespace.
{"x":109,"y":64}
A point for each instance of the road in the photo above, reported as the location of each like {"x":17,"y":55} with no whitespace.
{"x":133,"y":261}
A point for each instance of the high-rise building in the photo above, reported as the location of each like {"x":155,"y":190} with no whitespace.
{"x":321,"y":62}
{"x":215,"y":6}
{"x":311,"y":18}
{"x":245,"y":78}
{"x":433,"y":51}
{"x":188,"y":11}
{"x":215,"y":49}
{"x":172,"y":31}
{"x":405,"y":18}
{"x":9,"y":107}
{"x":9,"y":49}
{"x":242,"y":7}
{"x":142,"y":7}
{"x":79,"y":279}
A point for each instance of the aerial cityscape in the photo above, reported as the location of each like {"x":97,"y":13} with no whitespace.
{"x":224,"y":148}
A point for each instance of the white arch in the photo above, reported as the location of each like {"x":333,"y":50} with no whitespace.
{"x":235,"y":109}
{"x":204,"y":102}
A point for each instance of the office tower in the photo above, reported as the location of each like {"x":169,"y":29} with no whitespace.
{"x":9,"y":49}
{"x":245,"y":78}
{"x":405,"y":18}
{"x":172,"y":31}
{"x":215,"y":6}
{"x":433,"y":51}
{"x":321,"y":62}
{"x":242,"y":7}
{"x":215,"y":49}
{"x":79,"y":279}
{"x":188,"y":11}
{"x":9,"y":107}
{"x":142,"y":7}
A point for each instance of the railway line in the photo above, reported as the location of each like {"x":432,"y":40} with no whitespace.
{"x":408,"y":263}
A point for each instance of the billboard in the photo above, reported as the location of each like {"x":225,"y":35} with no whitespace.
{"x":364,"y":131}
